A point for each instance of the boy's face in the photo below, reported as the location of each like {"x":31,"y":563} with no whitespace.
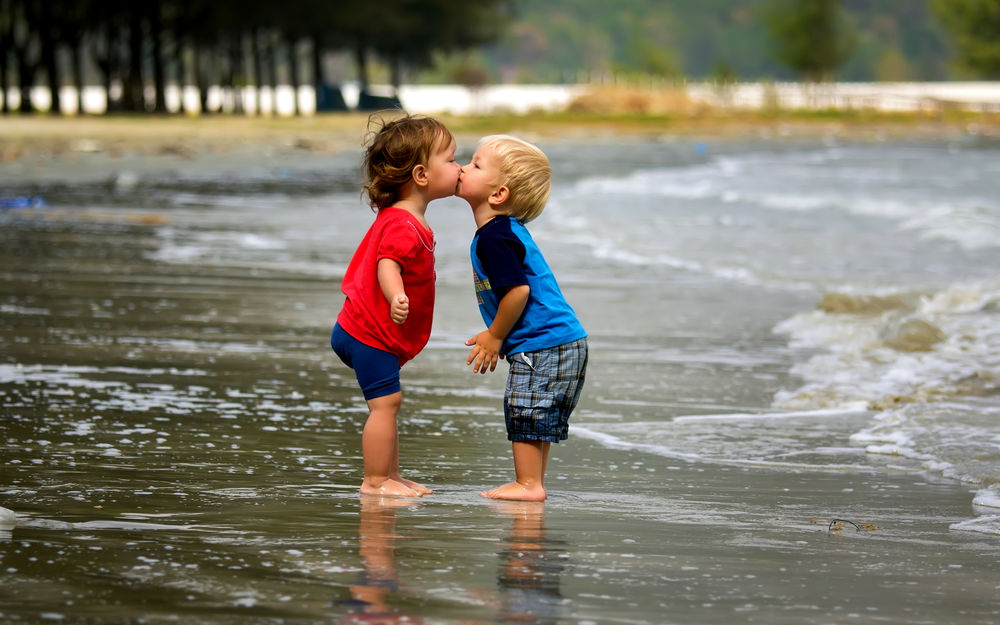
{"x":480,"y":178}
{"x":442,"y":171}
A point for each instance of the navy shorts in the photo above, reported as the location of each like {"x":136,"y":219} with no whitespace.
{"x":377,"y":370}
{"x":543,"y":388}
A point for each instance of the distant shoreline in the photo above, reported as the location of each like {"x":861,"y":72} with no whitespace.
{"x":31,"y":146}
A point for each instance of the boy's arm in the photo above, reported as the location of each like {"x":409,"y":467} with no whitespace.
{"x":390,"y":280}
{"x":486,"y":345}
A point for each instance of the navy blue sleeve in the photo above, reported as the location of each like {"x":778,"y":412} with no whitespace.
{"x":502,"y":255}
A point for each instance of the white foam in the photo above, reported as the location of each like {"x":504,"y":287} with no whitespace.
{"x":982,"y":525}
{"x":614,"y":442}
{"x":987,"y":498}
{"x":10,"y":309}
{"x":7,"y":519}
{"x":926,"y":403}
{"x":741,"y":416}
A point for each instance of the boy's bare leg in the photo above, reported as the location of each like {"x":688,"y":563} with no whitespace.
{"x":379,"y":447}
{"x":530,"y":459}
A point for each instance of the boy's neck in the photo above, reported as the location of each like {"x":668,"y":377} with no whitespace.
{"x":484,"y":213}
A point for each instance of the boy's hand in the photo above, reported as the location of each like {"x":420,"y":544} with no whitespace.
{"x":485,"y":352}
{"x":399,"y":308}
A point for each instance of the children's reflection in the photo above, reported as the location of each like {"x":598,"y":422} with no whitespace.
{"x":531,"y":565}
{"x":369,"y":602}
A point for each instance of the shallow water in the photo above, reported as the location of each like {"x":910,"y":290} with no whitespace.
{"x":179,"y":444}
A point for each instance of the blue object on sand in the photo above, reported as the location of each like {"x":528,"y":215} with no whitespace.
{"x":23,"y":201}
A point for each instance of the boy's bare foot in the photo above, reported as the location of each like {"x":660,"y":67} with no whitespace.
{"x":517,"y":492}
{"x":388,"y":488}
{"x":420,"y":488}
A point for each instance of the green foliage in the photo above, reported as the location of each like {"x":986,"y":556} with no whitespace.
{"x":571,"y":40}
{"x":813,"y":37}
{"x":975,"y":25}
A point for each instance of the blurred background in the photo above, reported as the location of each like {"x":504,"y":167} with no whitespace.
{"x":303,"y":56}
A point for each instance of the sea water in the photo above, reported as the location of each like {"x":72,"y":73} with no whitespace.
{"x":782,"y":333}
{"x":871,"y":271}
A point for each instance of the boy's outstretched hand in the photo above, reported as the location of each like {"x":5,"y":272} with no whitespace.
{"x":399,"y":308}
{"x":485,"y":352}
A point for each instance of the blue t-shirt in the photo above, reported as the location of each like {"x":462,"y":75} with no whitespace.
{"x":503,"y":256}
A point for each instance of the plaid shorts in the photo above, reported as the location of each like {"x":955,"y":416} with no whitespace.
{"x":543,"y":388}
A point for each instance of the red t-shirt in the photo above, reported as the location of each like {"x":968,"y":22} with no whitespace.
{"x":396,"y":234}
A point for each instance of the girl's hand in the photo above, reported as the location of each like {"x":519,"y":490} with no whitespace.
{"x":485,"y":352}
{"x":399,"y":308}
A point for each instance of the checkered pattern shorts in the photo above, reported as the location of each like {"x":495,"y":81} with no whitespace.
{"x":543,"y":388}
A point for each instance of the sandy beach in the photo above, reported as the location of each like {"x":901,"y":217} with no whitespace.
{"x":179,"y":444}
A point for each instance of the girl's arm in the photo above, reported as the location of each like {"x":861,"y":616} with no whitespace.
{"x":487,"y":344}
{"x":390,"y":280}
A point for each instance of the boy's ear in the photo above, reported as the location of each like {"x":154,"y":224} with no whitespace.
{"x":499,"y":196}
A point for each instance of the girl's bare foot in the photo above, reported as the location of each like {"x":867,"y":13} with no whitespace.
{"x":517,"y":492}
{"x":420,"y":488}
{"x":388,"y":488}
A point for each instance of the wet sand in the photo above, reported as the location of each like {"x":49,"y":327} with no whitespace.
{"x":179,"y":444}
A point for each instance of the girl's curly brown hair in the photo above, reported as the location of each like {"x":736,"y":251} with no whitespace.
{"x":393,"y":148}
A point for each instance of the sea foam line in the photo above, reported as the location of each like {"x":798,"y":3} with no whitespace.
{"x":613,"y":442}
{"x":743,"y":416}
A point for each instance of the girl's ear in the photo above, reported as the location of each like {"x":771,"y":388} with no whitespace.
{"x":499,"y":196}
{"x":419,"y":175}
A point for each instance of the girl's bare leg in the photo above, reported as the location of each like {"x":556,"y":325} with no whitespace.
{"x":395,"y":476}
{"x":380,"y":448}
{"x":530,"y":460}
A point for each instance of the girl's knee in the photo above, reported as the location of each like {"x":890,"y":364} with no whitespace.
{"x":386,"y":403}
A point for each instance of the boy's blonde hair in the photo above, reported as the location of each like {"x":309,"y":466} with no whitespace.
{"x":525,"y":171}
{"x":393,"y":148}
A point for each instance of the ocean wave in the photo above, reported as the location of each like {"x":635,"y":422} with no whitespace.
{"x":829,"y":180}
{"x":926,"y":366}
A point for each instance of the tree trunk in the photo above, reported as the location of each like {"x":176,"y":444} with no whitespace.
{"x":361,"y":60}
{"x":317,"y":65}
{"x":272,"y":56}
{"x":293,"y":70}
{"x":159,"y":76}
{"x":395,"y":73}
{"x":180,"y":67}
{"x":47,"y":38}
{"x":4,"y":77}
{"x":25,"y":52}
{"x":78,"y":54}
{"x":26,"y":77}
{"x":6,"y":35}
{"x":237,"y":72}
{"x":258,"y":69}
{"x":134,"y":96}
{"x":199,"y":77}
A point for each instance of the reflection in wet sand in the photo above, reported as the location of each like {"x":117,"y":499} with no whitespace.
{"x":531,"y":565}
{"x":371,"y":596}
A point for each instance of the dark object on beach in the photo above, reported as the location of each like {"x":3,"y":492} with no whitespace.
{"x":330,"y":98}
{"x":830,"y":527}
{"x":370,"y":102}
{"x":24,"y":201}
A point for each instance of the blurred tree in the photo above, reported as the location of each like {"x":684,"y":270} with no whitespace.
{"x":975,"y":26}
{"x":25,"y":48}
{"x":813,"y":37}
{"x":6,"y":37}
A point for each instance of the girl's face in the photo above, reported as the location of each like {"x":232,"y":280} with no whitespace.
{"x":480,"y":178}
{"x":442,"y":171}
